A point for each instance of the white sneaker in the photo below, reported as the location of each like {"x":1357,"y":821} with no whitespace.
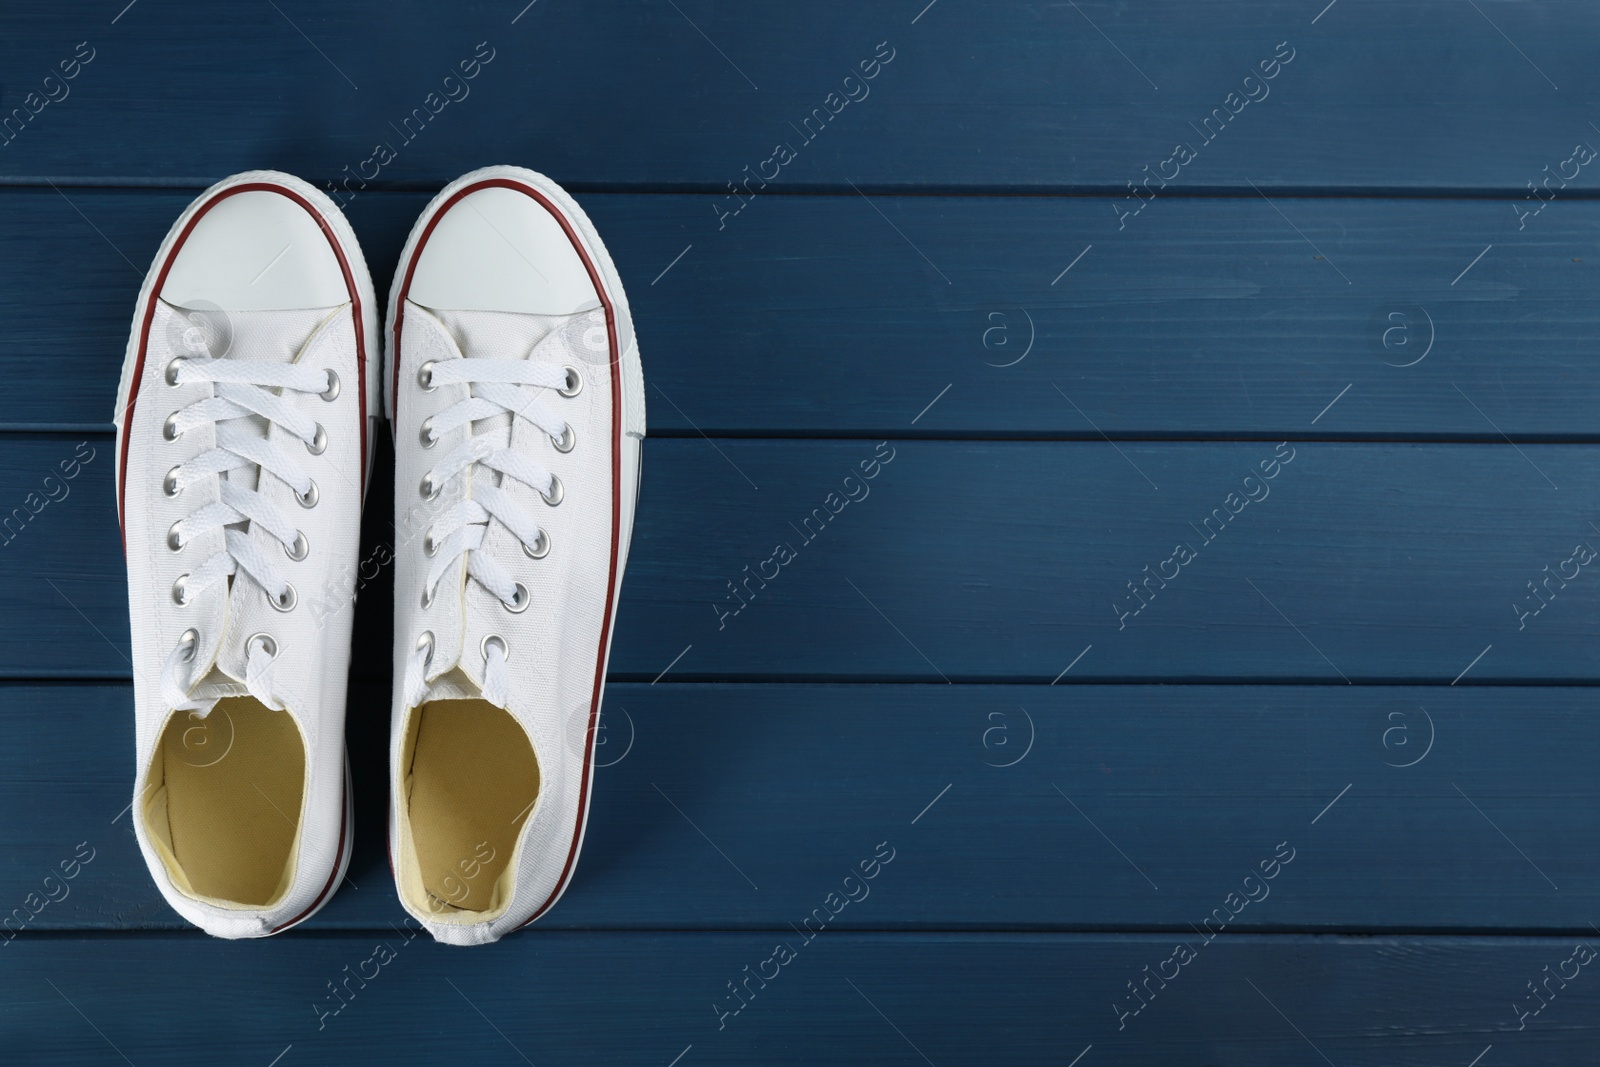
{"x":517,"y":402}
{"x":243,"y":431}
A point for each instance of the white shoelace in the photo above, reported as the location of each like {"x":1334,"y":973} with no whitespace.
{"x":499,"y":387}
{"x":241,"y":392}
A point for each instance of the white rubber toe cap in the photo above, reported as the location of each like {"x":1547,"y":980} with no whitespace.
{"x":499,"y":250}
{"x":256,"y":251}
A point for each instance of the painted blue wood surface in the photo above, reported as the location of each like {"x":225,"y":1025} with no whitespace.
{"x":1384,"y":260}
{"x":557,"y":997}
{"x":1412,"y":97}
{"x":812,"y":316}
{"x":997,"y":797}
{"x":969,"y":560}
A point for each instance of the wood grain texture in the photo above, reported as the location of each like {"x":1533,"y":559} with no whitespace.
{"x":813,"y":316}
{"x":1095,"y":659}
{"x":1003,"y":561}
{"x":848,"y":998}
{"x":1077,"y":808}
{"x":1017,"y":95}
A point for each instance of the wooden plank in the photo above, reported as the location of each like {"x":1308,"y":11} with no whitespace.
{"x":813,"y":316}
{"x":848,"y":999}
{"x":1021,"y":96}
{"x":998,"y":561}
{"x":1067,"y":808}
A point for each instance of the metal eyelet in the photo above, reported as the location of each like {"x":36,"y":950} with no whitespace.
{"x":553,"y":497}
{"x":430,"y":491}
{"x":169,"y":484}
{"x":541,"y":547}
{"x":483,"y":646}
{"x":180,"y":590}
{"x":288,"y":601}
{"x":425,"y":377}
{"x":429,"y":545}
{"x":426,"y":642}
{"x":319,"y":441}
{"x":428,"y":594}
{"x":190,"y":637}
{"x":332,"y":392}
{"x":169,"y":429}
{"x":172,"y":370}
{"x":268,"y":645}
{"x":426,"y":433}
{"x":567,"y":440}
{"x":520,"y":601}
{"x":574,"y":384}
{"x":174,"y":540}
{"x":309,"y":500}
{"x":299,"y":549}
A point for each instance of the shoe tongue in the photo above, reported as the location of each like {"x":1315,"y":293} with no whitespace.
{"x":261,"y":336}
{"x":245,"y":336}
{"x":496,"y":335}
{"x":218,"y":684}
{"x":453,"y":684}
{"x":502,"y":334}
{"x":248,"y":337}
{"x":267,"y":337}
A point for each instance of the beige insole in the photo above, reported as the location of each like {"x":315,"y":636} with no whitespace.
{"x":473,"y":781}
{"x":233,"y":786}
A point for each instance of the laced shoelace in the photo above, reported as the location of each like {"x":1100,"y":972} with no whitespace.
{"x":517,"y":388}
{"x":241,"y":392}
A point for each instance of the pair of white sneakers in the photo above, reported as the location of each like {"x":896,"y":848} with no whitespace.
{"x":246,"y":417}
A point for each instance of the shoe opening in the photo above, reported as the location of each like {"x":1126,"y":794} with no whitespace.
{"x":471,"y":782}
{"x":224,"y":801}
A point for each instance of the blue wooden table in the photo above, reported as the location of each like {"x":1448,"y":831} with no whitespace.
{"x":1207,"y":675}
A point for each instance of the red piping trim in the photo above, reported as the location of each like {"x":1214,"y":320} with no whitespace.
{"x":150,"y":314}
{"x":616,"y":471}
